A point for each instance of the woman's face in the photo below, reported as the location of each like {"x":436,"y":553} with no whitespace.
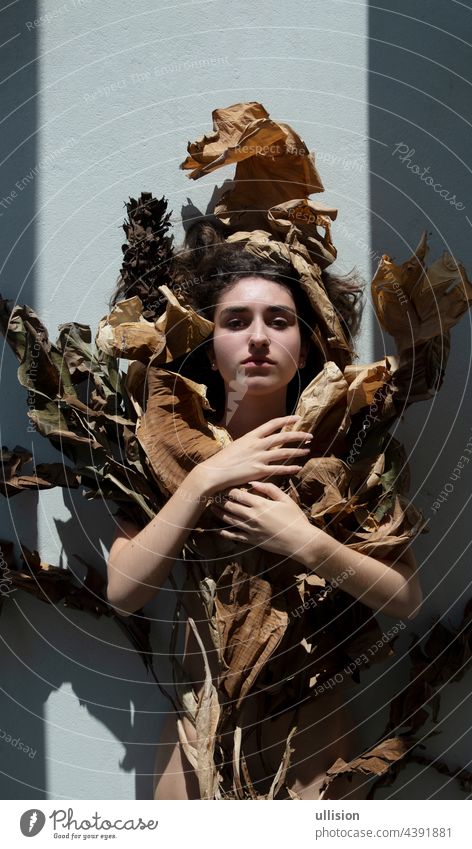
{"x":256,"y":337}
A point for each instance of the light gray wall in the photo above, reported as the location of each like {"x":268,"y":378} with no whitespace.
{"x":100,"y":100}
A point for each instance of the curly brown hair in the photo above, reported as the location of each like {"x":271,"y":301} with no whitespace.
{"x":206,"y":264}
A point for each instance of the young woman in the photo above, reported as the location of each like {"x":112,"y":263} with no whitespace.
{"x":258,"y":352}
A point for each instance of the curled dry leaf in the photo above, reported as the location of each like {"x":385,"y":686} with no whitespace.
{"x":376,"y":761}
{"x":273,"y":164}
{"x":323,"y":481}
{"x":173,"y":431}
{"x":251,"y":623}
{"x":125,"y":333}
{"x":364,"y":384}
{"x":416,"y":304}
{"x":183,"y":329}
{"x":298,"y":222}
{"x":322,"y":406}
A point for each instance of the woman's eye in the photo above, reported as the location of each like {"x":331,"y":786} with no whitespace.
{"x":235,"y":323}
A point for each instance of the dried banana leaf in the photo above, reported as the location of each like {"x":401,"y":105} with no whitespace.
{"x":44,"y":476}
{"x":173,"y":431}
{"x":376,"y":761}
{"x":416,"y":304}
{"x":251,"y":624}
{"x":125,"y":333}
{"x":273,"y":164}
{"x":76,"y":399}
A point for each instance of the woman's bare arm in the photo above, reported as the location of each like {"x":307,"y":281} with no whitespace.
{"x":268,"y":517}
{"x":390,"y":585}
{"x":139,"y":562}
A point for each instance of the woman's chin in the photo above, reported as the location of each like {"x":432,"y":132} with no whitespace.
{"x":263,"y":386}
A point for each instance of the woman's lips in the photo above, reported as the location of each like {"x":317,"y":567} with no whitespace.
{"x":258,"y":363}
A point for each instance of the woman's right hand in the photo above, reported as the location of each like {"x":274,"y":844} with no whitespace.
{"x":256,"y":455}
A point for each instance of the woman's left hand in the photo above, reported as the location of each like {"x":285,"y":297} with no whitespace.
{"x":270,"y":520}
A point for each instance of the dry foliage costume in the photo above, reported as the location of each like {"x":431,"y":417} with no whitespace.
{"x":133,"y":437}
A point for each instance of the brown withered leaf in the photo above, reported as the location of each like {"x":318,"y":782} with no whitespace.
{"x":173,"y":431}
{"x":44,"y":476}
{"x":421,"y":370}
{"x":415,"y":304}
{"x":323,"y":484}
{"x":251,"y":624}
{"x":364,"y":382}
{"x":12,"y":324}
{"x":244,"y":769}
{"x":57,"y":474}
{"x":395,"y":529}
{"x":299,"y":220}
{"x":273,"y":164}
{"x":207,"y":716}
{"x":125,"y":333}
{"x":183,"y":329}
{"x":74,"y":341}
{"x":322,"y":406}
{"x":444,"y":294}
{"x":281,"y":773}
{"x":11,"y":462}
{"x":376,"y":761}
{"x":52,"y":584}
{"x":366,"y":475}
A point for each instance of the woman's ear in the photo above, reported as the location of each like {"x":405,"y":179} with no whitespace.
{"x":304,"y":349}
{"x":209,"y":350}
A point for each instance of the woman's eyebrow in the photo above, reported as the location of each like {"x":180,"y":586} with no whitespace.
{"x":275,"y":308}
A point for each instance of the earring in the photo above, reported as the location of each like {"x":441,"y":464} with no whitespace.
{"x":301,"y":364}
{"x":214,"y":366}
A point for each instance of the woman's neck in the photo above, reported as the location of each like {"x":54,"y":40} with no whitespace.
{"x":243,"y":415}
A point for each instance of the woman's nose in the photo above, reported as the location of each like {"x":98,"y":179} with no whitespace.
{"x":259,"y":336}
